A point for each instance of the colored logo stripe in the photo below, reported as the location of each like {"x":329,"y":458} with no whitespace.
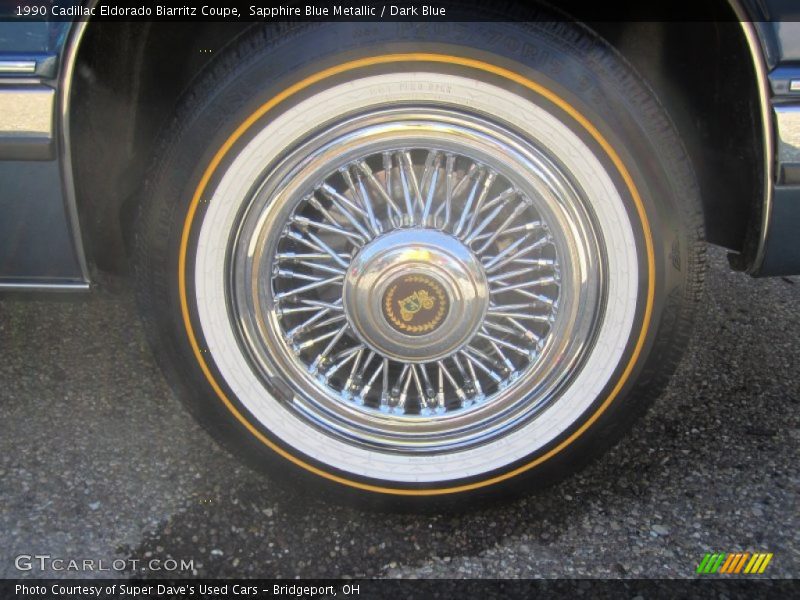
{"x":733,"y":563}
{"x":758,"y":563}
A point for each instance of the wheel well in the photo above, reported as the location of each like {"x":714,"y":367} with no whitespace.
{"x":703,"y":74}
{"x":129,"y":80}
{"x":130,"y":77}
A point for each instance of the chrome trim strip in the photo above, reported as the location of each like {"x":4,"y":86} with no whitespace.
{"x":21,"y":81}
{"x":65,"y":87}
{"x":26,"y":112}
{"x":784,"y":81}
{"x":17,"y":66}
{"x":787,"y":125}
{"x":78,"y":286}
{"x":762,"y":81}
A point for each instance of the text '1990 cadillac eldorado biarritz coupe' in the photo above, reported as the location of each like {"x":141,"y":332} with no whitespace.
{"x":410,"y":261}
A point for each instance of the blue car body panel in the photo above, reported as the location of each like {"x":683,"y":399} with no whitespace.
{"x":40,"y":245}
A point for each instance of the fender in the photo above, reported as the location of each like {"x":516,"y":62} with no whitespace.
{"x":41,"y":247}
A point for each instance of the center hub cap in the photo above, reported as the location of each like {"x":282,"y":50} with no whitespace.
{"x":415,"y":295}
{"x":415,"y":304}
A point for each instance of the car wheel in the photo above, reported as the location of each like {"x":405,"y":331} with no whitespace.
{"x":412,"y":264}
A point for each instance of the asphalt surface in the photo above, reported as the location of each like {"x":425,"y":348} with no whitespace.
{"x":99,"y":461}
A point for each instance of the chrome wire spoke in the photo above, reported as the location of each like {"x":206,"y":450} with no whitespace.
{"x":411,"y":279}
{"x":416,"y":279}
{"x":376,"y":195}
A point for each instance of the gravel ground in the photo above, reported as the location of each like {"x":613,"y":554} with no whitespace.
{"x":98,"y":460}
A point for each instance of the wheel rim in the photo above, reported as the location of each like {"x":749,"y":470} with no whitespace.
{"x":416,"y":279}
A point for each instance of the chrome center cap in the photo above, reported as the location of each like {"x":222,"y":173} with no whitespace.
{"x":415,"y":295}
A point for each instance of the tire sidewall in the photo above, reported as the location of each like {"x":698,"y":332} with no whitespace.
{"x":595,"y":82}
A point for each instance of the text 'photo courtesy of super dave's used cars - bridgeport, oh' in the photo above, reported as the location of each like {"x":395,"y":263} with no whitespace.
{"x":408,"y":265}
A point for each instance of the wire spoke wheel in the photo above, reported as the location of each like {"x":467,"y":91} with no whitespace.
{"x":409,"y":264}
{"x":421,"y":272}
